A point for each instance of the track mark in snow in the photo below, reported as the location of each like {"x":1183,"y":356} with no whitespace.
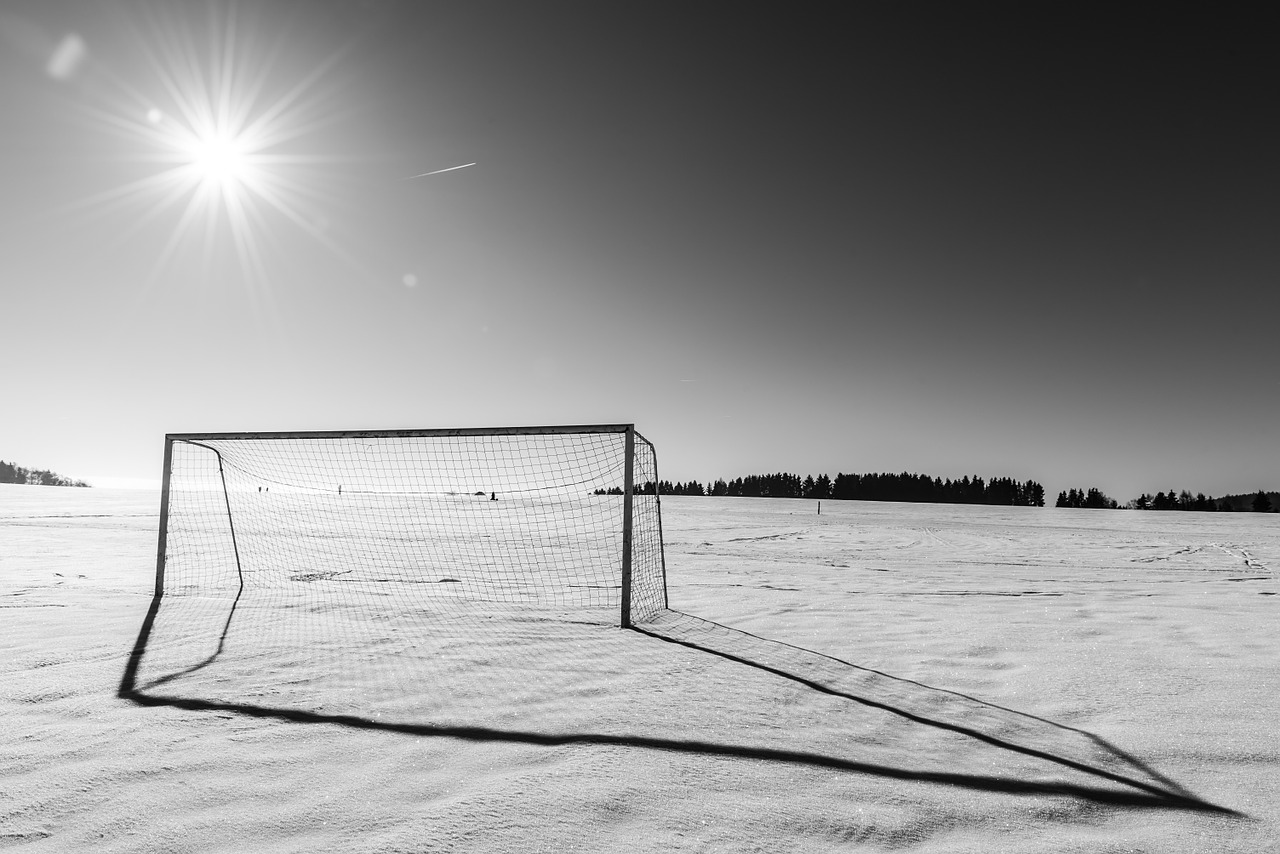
{"x":992,"y":593}
{"x":933,"y":532}
{"x":317,"y":576}
{"x":7,"y":519}
{"x":28,"y":836}
{"x":782,"y":536}
{"x":1236,"y":551}
{"x":1233,"y":551}
{"x":1182,"y":551}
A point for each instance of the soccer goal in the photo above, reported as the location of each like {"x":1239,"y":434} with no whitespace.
{"x":505,"y":519}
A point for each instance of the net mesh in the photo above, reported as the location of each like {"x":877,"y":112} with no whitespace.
{"x":455,"y":579}
{"x":428,"y":521}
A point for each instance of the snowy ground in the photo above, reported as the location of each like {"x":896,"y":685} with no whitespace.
{"x":909,"y":677}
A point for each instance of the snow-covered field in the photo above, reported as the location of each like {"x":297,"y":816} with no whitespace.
{"x":878,"y":677}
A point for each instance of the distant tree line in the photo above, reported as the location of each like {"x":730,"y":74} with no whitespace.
{"x":1259,"y":502}
{"x":11,"y":473}
{"x":662,"y":487}
{"x":922,"y":488}
{"x":919,"y":488}
{"x":1092,"y":499}
{"x":859,"y":487}
{"x":1171,"y":500}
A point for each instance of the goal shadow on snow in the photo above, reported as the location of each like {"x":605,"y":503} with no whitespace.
{"x":1099,"y":772}
{"x":948,"y":711}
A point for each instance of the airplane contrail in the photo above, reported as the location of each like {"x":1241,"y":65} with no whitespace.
{"x":438,"y":171}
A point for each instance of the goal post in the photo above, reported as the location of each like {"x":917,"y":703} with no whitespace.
{"x":543,"y":519}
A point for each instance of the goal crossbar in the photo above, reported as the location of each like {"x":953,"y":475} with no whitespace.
{"x":381,"y":434}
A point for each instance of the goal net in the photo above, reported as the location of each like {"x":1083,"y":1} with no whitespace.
{"x":497,"y":520}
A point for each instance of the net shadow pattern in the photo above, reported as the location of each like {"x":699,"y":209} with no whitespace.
{"x":673,"y":683}
{"x":1082,"y":754}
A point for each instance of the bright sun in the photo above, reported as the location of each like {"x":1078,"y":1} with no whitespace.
{"x":221,"y":126}
{"x":221,"y":159}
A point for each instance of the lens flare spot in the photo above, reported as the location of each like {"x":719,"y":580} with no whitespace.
{"x":67,"y":58}
{"x":410,"y":280}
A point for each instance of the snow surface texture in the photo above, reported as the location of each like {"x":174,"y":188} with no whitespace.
{"x":880,"y":677}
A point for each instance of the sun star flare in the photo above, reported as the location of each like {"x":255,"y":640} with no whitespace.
{"x":220,"y":128}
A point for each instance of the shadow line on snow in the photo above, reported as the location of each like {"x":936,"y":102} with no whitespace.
{"x":136,"y":657}
{"x":898,"y":696}
{"x":1141,"y":794}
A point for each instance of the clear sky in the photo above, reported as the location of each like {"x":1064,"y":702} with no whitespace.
{"x":1009,"y":240}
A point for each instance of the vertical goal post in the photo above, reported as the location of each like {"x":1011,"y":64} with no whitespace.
{"x":562,"y":525}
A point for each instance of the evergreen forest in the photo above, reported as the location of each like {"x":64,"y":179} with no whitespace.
{"x":917,"y":488}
